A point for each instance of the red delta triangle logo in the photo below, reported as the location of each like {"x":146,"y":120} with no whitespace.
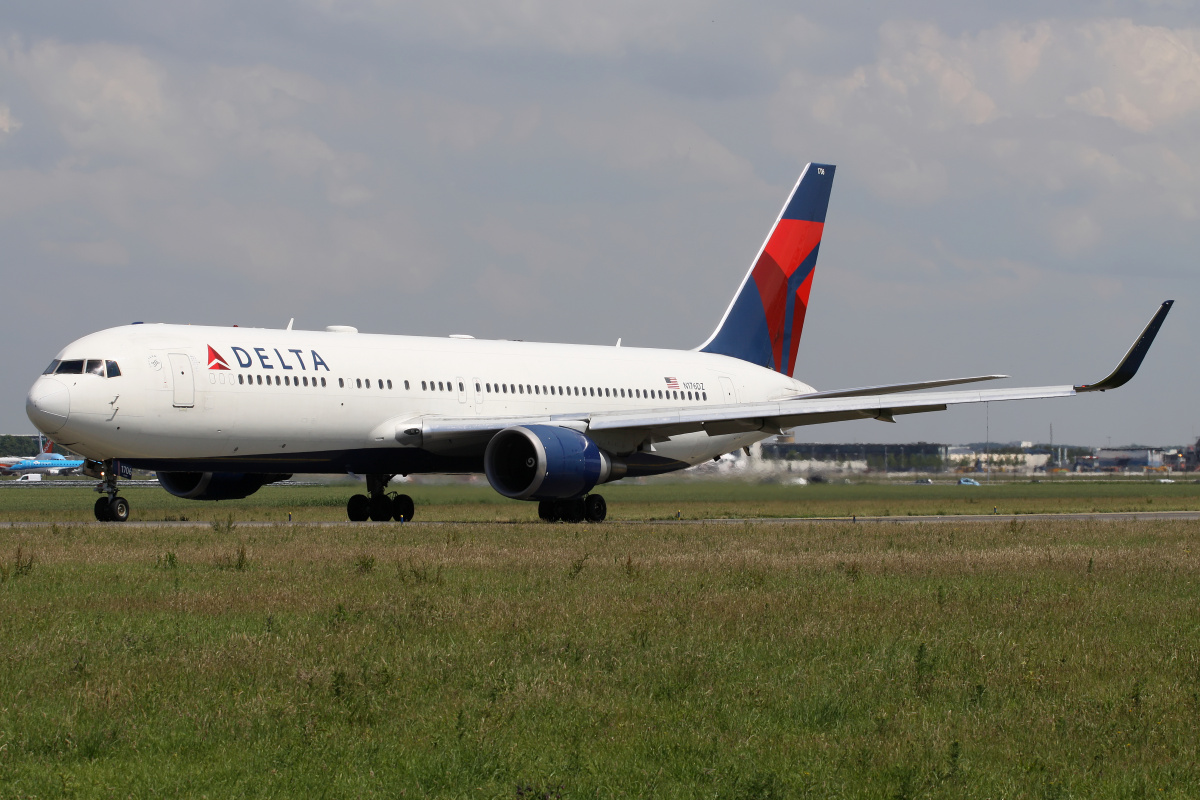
{"x":214,"y":359}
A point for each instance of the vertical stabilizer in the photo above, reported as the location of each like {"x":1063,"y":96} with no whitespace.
{"x":764,"y":322}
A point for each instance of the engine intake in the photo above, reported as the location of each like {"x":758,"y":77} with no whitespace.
{"x":215,"y":485}
{"x":546,"y":462}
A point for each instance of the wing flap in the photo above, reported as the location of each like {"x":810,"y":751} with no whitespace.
{"x":894,"y":388}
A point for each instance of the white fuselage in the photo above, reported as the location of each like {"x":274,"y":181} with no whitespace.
{"x":312,"y":401}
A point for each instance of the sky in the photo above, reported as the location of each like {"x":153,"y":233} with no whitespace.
{"x":1016,"y":192}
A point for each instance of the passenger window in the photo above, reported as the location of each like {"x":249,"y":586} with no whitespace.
{"x":358,"y":381}
{"x":287,"y":381}
{"x":406,"y":386}
{"x":241,"y":378}
{"x":95,"y":367}
{"x":504,"y":387}
{"x":276,"y":380}
{"x":477,"y":388}
{"x":705,"y":395}
{"x":305,"y":379}
{"x":537,"y":389}
{"x":259,"y":379}
{"x":381,"y":384}
{"x":441,"y":387}
{"x":389,"y":383}
{"x":70,"y":368}
{"x":461,"y":388}
{"x":323,"y":383}
{"x":341,"y":383}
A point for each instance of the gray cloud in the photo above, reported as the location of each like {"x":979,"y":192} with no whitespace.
{"x":1015,"y":192}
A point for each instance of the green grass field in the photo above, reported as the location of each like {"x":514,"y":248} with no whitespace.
{"x":632,"y":502}
{"x":978,"y":659}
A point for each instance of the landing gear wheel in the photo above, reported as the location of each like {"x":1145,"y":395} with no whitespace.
{"x":380,"y":508}
{"x":358,"y":508}
{"x":118,"y":509}
{"x":548,"y":510}
{"x":571,"y":510}
{"x":101,"y":509}
{"x":594,"y":508}
{"x":403,"y":508}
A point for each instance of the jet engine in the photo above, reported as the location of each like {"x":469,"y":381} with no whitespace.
{"x":546,"y":462}
{"x":215,"y":485}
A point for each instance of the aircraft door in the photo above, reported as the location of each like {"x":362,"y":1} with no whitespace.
{"x":181,"y":377}
{"x":727,"y":388}
{"x":462,"y":389}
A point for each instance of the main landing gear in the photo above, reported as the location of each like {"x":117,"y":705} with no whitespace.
{"x":381,"y":506}
{"x":577,"y":509}
{"x":110,"y":507}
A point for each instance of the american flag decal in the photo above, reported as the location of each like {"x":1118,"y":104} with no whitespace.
{"x":672,"y":383}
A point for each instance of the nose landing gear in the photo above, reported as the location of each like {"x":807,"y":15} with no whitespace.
{"x":110,"y":507}
{"x":381,"y":506}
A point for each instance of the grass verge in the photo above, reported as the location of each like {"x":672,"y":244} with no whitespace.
{"x":1045,"y":659}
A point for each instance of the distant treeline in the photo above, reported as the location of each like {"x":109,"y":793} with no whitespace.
{"x":16,"y":445}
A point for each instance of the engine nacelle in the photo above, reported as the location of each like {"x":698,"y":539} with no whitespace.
{"x":215,"y":485}
{"x":546,"y":462}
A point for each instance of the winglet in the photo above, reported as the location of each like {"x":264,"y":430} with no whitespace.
{"x":1133,"y":359}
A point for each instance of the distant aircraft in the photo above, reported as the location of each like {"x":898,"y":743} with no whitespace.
{"x":46,"y":462}
{"x":45,"y":447}
{"x":220,"y":412}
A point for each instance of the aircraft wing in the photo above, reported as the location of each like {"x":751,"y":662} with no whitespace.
{"x":882,"y":402}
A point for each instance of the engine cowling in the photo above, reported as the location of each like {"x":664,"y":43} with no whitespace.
{"x":546,"y":462}
{"x":215,"y":485}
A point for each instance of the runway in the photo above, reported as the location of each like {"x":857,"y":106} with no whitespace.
{"x":1121,"y":516}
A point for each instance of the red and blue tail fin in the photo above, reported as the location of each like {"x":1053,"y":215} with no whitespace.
{"x":764,"y":322}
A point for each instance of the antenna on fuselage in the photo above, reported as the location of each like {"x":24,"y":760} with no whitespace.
{"x":618,"y":341}
{"x":290,"y":321}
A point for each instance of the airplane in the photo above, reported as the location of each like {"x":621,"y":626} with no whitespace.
{"x":220,"y":412}
{"x":45,"y":447}
{"x":46,"y":462}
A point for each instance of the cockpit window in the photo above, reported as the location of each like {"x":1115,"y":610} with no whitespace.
{"x":70,"y":368}
{"x":53,"y":366}
{"x":113,"y":370}
{"x":95,"y":367}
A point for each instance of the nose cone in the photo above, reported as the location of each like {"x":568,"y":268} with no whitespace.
{"x":48,"y":405}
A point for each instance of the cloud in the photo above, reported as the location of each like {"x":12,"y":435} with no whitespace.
{"x":935,"y":117}
{"x":7,"y":123}
{"x":113,"y":104}
{"x":564,"y":27}
{"x":645,"y":141}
